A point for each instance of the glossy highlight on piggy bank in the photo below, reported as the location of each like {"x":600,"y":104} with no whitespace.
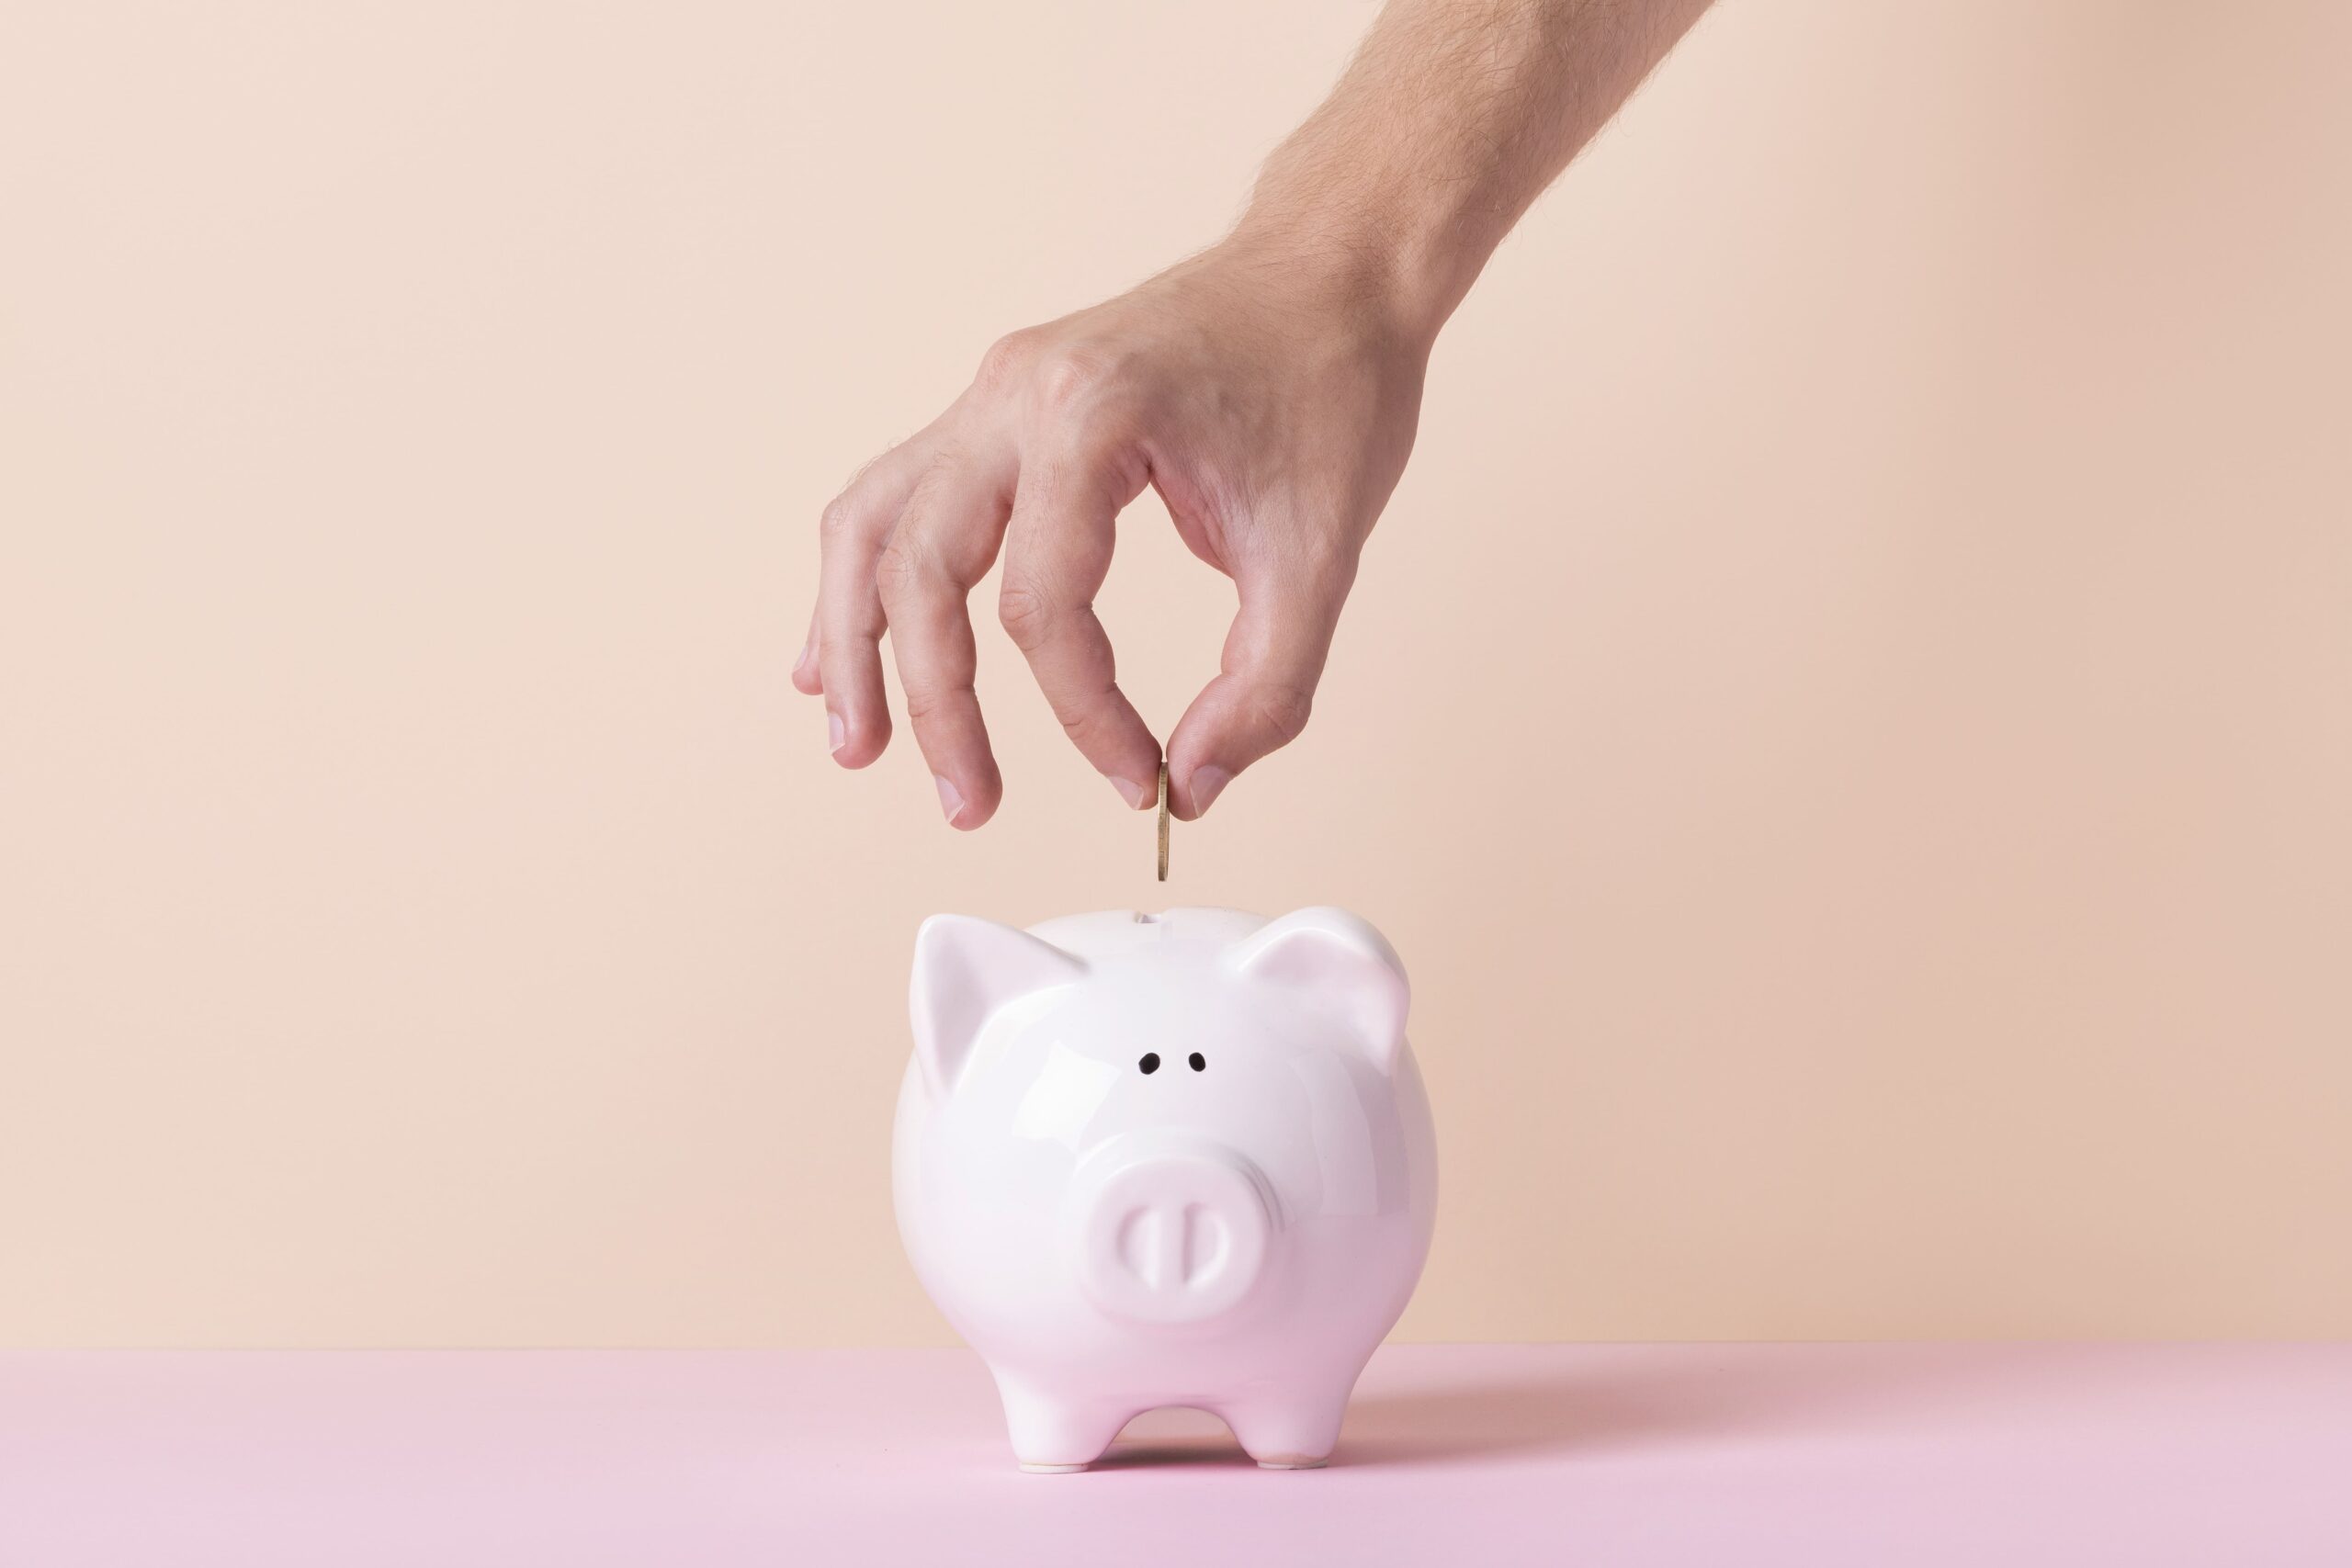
{"x":1152,"y":1160}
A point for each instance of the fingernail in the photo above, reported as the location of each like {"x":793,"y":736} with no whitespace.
{"x":805,"y":649}
{"x":1136,"y":795}
{"x":1207,"y":782}
{"x":951,"y":799}
{"x":836,"y":731}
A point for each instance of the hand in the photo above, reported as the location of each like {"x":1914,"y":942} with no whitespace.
{"x":1270,"y":401}
{"x":1267,"y":388}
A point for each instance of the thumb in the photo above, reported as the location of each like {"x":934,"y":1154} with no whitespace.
{"x":1259,"y":703}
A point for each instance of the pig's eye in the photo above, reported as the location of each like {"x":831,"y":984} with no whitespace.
{"x":1150,"y":1062}
{"x":1199,"y":1063}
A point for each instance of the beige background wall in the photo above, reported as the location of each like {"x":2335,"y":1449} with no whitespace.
{"x":1848,"y":718}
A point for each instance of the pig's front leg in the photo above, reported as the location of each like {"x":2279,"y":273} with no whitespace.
{"x":1052,"y":1434}
{"x":1296,"y":1431}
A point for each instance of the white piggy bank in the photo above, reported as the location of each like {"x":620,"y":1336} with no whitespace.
{"x":1182,"y":1159}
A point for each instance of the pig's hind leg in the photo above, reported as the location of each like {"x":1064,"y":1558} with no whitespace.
{"x":1294,"y":1432}
{"x":1052,"y":1435}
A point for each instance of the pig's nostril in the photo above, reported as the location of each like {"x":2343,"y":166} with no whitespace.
{"x":1150,"y":1063}
{"x":1200,"y":1063}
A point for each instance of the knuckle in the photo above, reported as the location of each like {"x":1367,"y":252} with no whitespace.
{"x":1085,"y":719}
{"x":839,"y":519}
{"x":1069,"y":377}
{"x":929,"y":700}
{"x":898,"y":570}
{"x":1282,"y":710}
{"x":1005,"y":361}
{"x":1026,"y":614}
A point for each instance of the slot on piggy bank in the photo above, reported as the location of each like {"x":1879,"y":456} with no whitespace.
{"x":1154,"y":1161}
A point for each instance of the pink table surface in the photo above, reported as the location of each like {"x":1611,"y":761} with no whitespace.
{"x":1585,"y":1454}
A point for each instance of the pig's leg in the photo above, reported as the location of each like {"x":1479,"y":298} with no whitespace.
{"x":1051,"y":1434}
{"x":1296,"y":1431}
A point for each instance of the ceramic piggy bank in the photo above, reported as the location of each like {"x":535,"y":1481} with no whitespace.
{"x":1178,"y":1159}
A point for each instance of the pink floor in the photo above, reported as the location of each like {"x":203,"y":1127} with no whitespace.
{"x":1458,"y":1455}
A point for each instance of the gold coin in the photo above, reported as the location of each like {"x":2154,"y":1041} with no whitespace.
{"x":1163,"y":821}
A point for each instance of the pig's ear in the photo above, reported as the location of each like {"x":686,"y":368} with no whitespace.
{"x":1339,"y":965}
{"x":964,"y":970}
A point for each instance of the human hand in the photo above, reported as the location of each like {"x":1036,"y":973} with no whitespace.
{"x":1268,"y":395}
{"x":1268,"y":390}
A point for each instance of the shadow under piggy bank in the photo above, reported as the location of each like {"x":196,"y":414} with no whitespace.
{"x":1433,"y":1405}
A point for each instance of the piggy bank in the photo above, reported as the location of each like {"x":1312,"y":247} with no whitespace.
{"x":1178,"y":1160}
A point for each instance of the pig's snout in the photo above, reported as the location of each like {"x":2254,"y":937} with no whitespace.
{"x":1168,"y":1229}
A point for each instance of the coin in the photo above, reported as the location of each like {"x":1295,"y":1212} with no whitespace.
{"x":1163,"y":821}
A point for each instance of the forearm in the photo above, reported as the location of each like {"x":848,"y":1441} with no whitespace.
{"x":1453,"y":116}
